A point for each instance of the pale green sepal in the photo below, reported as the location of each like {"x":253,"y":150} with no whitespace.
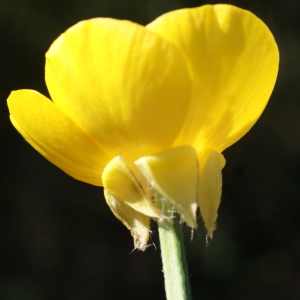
{"x":125,"y":182}
{"x":210,"y":187}
{"x":174,"y":174}
{"x":137,"y":223}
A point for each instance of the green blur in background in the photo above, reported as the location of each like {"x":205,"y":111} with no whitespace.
{"x":59,"y":239}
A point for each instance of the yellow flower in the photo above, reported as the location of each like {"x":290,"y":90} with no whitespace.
{"x":147,"y":111}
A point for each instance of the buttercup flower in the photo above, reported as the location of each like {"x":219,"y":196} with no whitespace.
{"x":146,"y":112}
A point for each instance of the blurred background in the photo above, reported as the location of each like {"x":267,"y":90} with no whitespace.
{"x":58,"y":238}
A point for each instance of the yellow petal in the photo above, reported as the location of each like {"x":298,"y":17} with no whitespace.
{"x":127,"y":87}
{"x":56,"y":136}
{"x":234,"y":60}
{"x":174,"y":174}
{"x":210,"y":187}
{"x":125,"y":184}
{"x":137,"y":223}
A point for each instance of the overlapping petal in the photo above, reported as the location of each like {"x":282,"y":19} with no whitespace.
{"x":234,"y":60}
{"x":56,"y":136}
{"x":129,"y":88}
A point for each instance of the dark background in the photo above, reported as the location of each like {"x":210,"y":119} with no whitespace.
{"x":58,"y":238}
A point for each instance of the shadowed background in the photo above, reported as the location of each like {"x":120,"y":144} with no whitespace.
{"x":58,"y":238}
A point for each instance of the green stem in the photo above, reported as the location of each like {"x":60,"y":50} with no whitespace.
{"x":174,"y":262}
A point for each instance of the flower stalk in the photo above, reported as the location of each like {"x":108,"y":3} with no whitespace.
{"x":177,"y":285}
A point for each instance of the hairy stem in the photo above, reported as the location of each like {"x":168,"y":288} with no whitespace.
{"x":173,"y":258}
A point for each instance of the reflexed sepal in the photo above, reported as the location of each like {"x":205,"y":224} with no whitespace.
{"x":125,"y":183}
{"x":174,"y":174}
{"x":210,"y":187}
{"x":137,"y":223}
